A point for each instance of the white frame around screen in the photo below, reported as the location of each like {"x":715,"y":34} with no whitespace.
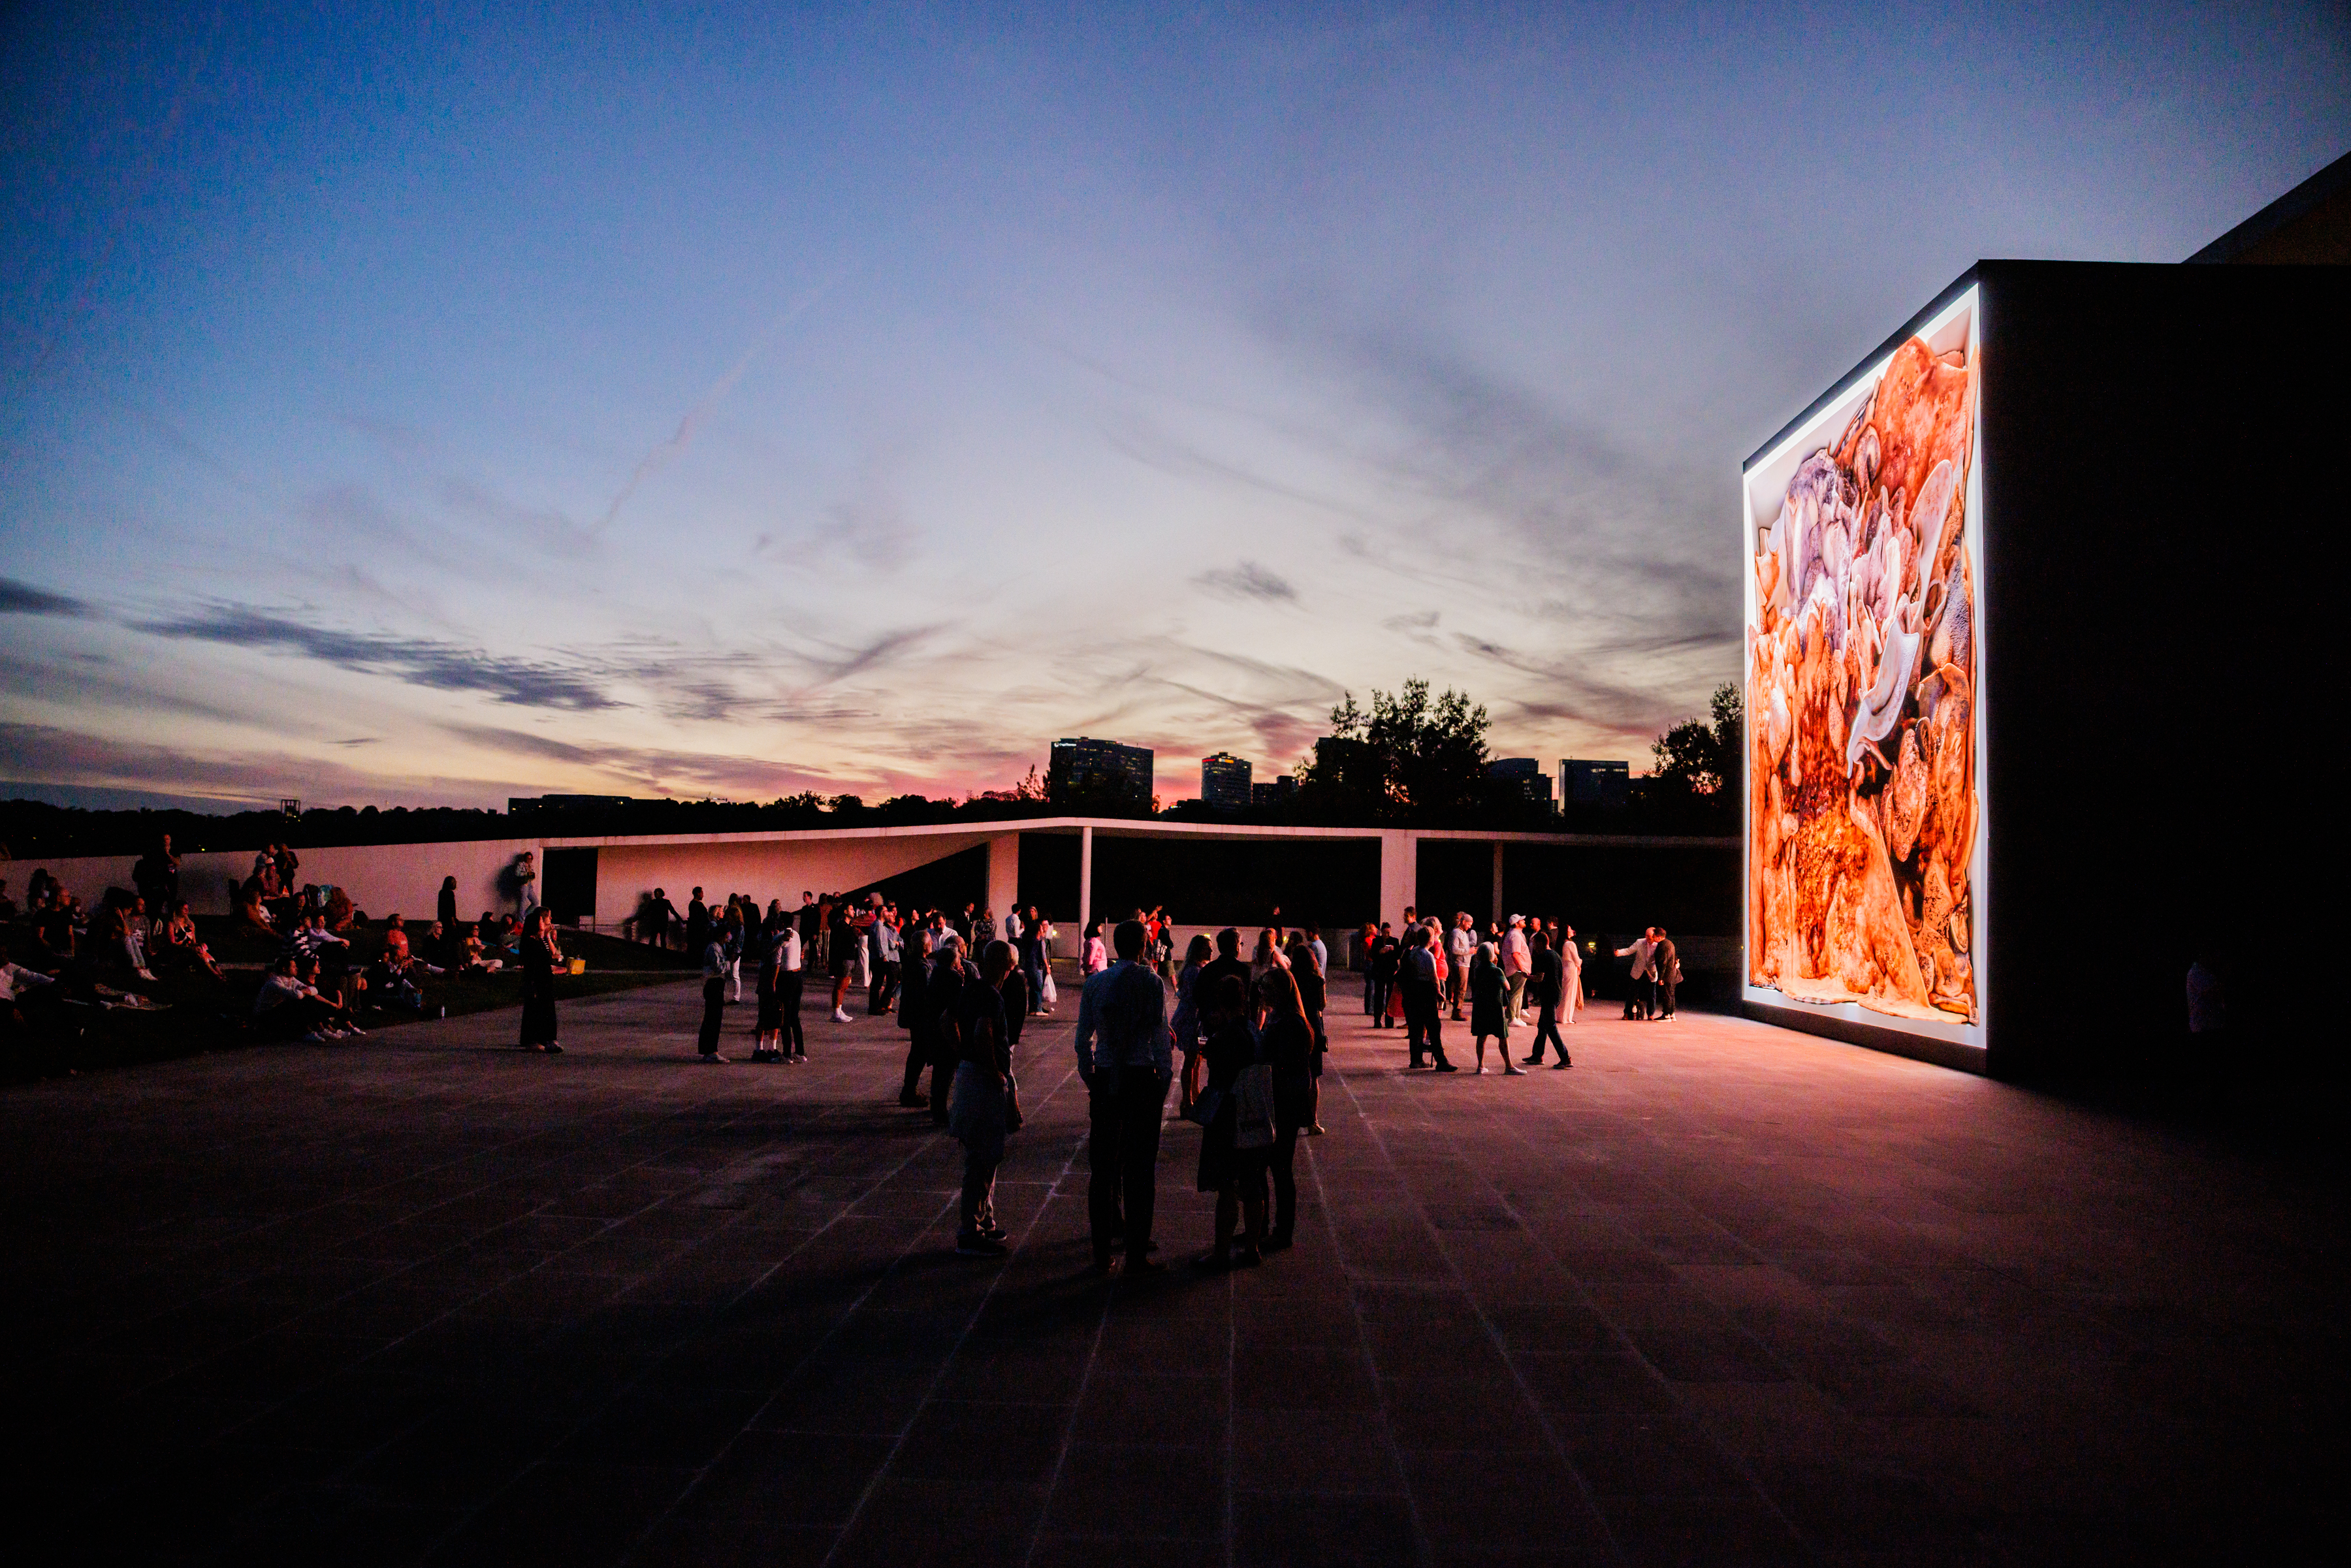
{"x":1762,"y":487}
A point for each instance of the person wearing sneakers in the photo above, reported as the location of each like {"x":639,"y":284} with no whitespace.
{"x":713,"y":991}
{"x":848,"y":936}
{"x":1460,"y":946}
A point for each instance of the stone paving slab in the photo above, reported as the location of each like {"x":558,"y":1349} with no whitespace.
{"x":1721,"y":1293}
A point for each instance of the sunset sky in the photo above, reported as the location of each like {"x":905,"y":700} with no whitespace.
{"x":425,"y":411}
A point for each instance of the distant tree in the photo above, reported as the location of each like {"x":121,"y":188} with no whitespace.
{"x":1410,"y":754}
{"x":1031,"y":788}
{"x":1697,"y":758}
{"x":846,"y":806}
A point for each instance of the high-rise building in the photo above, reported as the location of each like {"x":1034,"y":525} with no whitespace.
{"x":1274,"y":791}
{"x":1223,"y":781}
{"x":1084,"y":770}
{"x":1587,"y":783}
{"x":1526,"y":772}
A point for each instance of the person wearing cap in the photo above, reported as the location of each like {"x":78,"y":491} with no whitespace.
{"x":1517,"y":963}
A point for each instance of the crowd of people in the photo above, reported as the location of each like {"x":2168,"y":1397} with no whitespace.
{"x":1499,"y":972}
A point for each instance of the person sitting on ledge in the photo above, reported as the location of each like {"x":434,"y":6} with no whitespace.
{"x":289,"y":1006}
{"x":478,"y":959}
{"x":20,"y":986}
{"x":177,"y":946}
{"x":54,"y":925}
{"x":252,"y":909}
{"x":394,"y":983}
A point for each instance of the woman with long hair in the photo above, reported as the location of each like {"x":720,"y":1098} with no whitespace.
{"x":1287,"y":1044}
{"x":1267,"y":957}
{"x":540,"y":957}
{"x":1096,"y":959}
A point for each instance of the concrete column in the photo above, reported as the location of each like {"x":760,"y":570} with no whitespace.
{"x":1085,"y":883}
{"x":1399,"y":871}
{"x":1499,"y":911}
{"x":1003,"y":874}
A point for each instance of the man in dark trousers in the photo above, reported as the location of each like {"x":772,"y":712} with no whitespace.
{"x":942,"y":993}
{"x":697,"y":924}
{"x":1545,"y":987}
{"x":715,"y":965}
{"x":1384,"y":960}
{"x":1665,"y":972}
{"x":1423,"y":1001}
{"x":912,"y":1015}
{"x":1126,"y":1057}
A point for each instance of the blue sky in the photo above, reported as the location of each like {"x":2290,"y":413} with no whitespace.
{"x":427,"y":409}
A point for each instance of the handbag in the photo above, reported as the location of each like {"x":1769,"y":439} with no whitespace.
{"x":1047,"y":993}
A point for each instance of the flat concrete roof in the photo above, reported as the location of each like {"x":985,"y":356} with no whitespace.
{"x":1128,"y":828}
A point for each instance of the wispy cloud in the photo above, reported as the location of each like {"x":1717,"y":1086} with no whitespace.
{"x":669,"y":450}
{"x":23,"y":599}
{"x":444,"y":666}
{"x":1246,"y":580}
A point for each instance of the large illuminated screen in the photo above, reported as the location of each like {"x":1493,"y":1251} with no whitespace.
{"x":1862,"y":556}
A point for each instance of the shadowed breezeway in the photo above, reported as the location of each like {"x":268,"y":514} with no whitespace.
{"x":1722,"y":1293}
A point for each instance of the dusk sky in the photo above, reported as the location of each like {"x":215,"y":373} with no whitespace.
{"x":426,"y":410}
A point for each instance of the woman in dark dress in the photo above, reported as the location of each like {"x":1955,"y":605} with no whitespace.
{"x":1236,"y":1176}
{"x":1288,"y":1046}
{"x":1487,"y":1013}
{"x":540,"y":956}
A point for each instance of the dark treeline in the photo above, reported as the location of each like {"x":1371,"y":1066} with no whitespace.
{"x":1410,"y":760}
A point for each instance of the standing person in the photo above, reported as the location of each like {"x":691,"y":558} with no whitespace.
{"x":1268,"y":956}
{"x":1235,"y":1175}
{"x":911,"y":1012}
{"x":661,"y":918}
{"x":1570,"y":960}
{"x":1517,"y":963}
{"x":766,"y":1043}
{"x":941,"y":994}
{"x":1032,"y":956}
{"x":1460,"y":943}
{"x":979,"y":1110}
{"x":983,"y":932}
{"x":1322,"y":953}
{"x":525,"y":877}
{"x":445,"y":908}
{"x":697,"y":924}
{"x":1385,"y":956}
{"x":1095,"y":960}
{"x":714,"y":988}
{"x":1547,"y":982}
{"x":1424,"y":1013}
{"x":887,"y":947}
{"x":1125,"y":1057}
{"x":1487,"y":1003}
{"x":1289,"y":1047}
{"x":540,"y":955}
{"x":847,"y":942}
{"x":156,"y":876}
{"x":1664,"y":971}
{"x":1308,"y":972}
{"x":1636,"y":994}
{"x":731,"y":937}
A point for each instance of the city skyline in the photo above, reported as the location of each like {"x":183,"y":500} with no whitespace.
{"x":429,"y":412}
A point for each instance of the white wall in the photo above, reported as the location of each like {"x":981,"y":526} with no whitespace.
{"x":382,"y":879}
{"x":765,"y":869}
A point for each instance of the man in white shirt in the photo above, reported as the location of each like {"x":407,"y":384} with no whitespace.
{"x":1517,"y":963}
{"x":1460,"y":946}
{"x":1636,"y":998}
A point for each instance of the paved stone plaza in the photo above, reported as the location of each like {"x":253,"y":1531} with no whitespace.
{"x":1721,"y":1294}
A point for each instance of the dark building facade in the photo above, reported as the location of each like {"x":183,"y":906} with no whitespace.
{"x":1583,"y":782}
{"x":1526,"y":773}
{"x":1225,"y":781}
{"x":1084,"y":770}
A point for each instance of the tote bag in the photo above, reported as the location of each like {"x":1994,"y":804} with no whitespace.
{"x":1253,"y":1106}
